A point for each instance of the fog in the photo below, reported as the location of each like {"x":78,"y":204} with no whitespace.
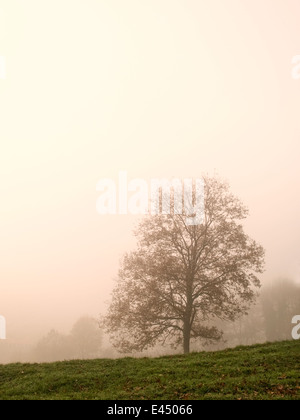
{"x":165,"y":88}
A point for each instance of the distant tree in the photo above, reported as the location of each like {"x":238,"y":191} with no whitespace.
{"x":183,"y":276}
{"x":280,"y":303}
{"x":84,"y":342}
{"x":53,"y":347}
{"x":86,"y":338}
{"x":247,"y":330}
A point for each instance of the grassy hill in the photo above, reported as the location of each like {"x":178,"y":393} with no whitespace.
{"x":269,"y":371}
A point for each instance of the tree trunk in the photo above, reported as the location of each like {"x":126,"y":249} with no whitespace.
{"x":186,"y":338}
{"x":187,"y":318}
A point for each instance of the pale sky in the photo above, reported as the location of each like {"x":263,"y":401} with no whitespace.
{"x":154,"y":87}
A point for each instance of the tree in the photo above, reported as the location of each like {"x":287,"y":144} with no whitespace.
{"x":84,"y":342}
{"x":86,"y":338}
{"x":53,"y":347}
{"x":181,"y":276}
{"x":280,"y":303}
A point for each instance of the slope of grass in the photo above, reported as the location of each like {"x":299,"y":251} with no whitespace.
{"x":269,"y":371}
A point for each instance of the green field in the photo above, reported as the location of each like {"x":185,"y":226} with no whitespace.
{"x":269,"y":371}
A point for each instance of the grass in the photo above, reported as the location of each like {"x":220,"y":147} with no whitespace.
{"x":260,"y":372}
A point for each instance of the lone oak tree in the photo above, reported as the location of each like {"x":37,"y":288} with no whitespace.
{"x":181,"y":276}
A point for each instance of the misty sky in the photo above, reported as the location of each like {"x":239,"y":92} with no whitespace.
{"x":158,"y":88}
